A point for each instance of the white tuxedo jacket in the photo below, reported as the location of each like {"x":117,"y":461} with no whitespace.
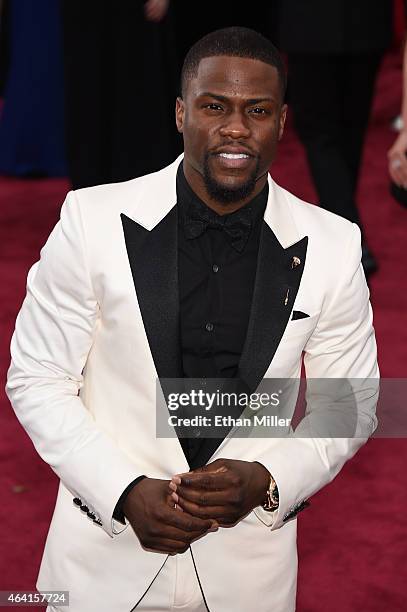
{"x":97,"y":326}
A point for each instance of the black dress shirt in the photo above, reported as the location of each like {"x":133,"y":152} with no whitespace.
{"x":215,"y":286}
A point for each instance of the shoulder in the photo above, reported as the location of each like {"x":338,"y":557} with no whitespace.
{"x":145,"y":195}
{"x":321,"y":226}
{"x":111,"y":196}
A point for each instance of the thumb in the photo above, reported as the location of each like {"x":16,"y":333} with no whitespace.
{"x":215,"y":467}
{"x":219,"y":465}
{"x":204,"y":468}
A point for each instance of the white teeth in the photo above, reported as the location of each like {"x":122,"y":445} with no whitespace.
{"x":234,"y":155}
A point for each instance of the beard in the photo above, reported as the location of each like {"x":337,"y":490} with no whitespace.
{"x":224,"y":194}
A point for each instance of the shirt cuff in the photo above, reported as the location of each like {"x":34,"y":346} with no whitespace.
{"x":118,"y":513}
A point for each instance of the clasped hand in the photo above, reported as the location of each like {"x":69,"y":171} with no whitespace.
{"x":224,"y":491}
{"x":168,"y":515}
{"x":157,"y":523}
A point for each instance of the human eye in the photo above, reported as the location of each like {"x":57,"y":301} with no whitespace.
{"x":213,"y":106}
{"x":259,"y":110}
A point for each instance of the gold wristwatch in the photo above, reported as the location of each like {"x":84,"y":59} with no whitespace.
{"x":272,"y":497}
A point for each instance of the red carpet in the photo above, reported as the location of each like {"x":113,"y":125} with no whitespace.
{"x":352,"y":539}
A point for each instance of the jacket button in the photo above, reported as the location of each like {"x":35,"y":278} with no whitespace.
{"x":77,"y":501}
{"x":84,"y":508}
{"x":91,"y":515}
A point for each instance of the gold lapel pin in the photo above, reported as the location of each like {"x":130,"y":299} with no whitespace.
{"x":295,"y":262}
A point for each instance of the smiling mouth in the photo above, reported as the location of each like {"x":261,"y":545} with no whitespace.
{"x":234,"y":155}
{"x":233,"y":160}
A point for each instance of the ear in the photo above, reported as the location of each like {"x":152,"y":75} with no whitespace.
{"x":179,"y":114}
{"x":283,"y":117}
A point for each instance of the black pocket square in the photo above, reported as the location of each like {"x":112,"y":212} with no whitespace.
{"x":297,"y":314}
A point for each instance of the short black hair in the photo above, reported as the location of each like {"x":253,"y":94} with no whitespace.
{"x":234,"y":41}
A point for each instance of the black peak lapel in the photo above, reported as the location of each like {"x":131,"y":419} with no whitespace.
{"x":154,"y":265}
{"x":278,"y":278}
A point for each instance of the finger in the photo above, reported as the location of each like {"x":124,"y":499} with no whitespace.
{"x":167,"y":546}
{"x":150,"y":16}
{"x":155,"y":13}
{"x":395,"y":176}
{"x":398,"y":168}
{"x":178,"y":535}
{"x":155,"y":16}
{"x":219,"y":514}
{"x":188,"y":523}
{"x":205,"y":512}
{"x":398,"y":175}
{"x":151,"y":11}
{"x":403,"y":174}
{"x":170,"y":500}
{"x":203,"y":497}
{"x":182,"y":530}
{"x":209,"y":481}
{"x":216,"y":466}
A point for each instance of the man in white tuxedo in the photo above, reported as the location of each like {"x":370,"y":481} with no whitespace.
{"x":206,"y":269}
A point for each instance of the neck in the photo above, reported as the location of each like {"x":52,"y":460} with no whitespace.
{"x":197,"y":184}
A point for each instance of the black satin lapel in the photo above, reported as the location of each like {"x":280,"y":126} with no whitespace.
{"x":278,"y":278}
{"x":153,"y":261}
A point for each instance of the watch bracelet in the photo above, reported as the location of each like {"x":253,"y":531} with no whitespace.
{"x":271,"y":502}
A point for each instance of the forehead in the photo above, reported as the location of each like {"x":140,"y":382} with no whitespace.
{"x":235,"y":76}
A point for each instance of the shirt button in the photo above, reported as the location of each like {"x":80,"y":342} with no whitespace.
{"x":209,"y":327}
{"x":215,"y":268}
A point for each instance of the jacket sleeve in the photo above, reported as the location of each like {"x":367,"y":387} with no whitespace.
{"x":53,"y":336}
{"x":341,"y":367}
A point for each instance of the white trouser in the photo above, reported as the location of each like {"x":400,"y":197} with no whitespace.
{"x":175,"y":588}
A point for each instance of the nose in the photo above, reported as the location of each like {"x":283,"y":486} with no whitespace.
{"x":235,"y":126}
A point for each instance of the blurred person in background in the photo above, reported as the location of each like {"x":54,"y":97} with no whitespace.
{"x":397,"y":154}
{"x":4,"y":44}
{"x":120,"y":66}
{"x":193,"y":20}
{"x":334,"y":51}
{"x":32,"y":118}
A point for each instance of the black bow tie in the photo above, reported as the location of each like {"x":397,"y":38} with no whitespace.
{"x":236,"y":226}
